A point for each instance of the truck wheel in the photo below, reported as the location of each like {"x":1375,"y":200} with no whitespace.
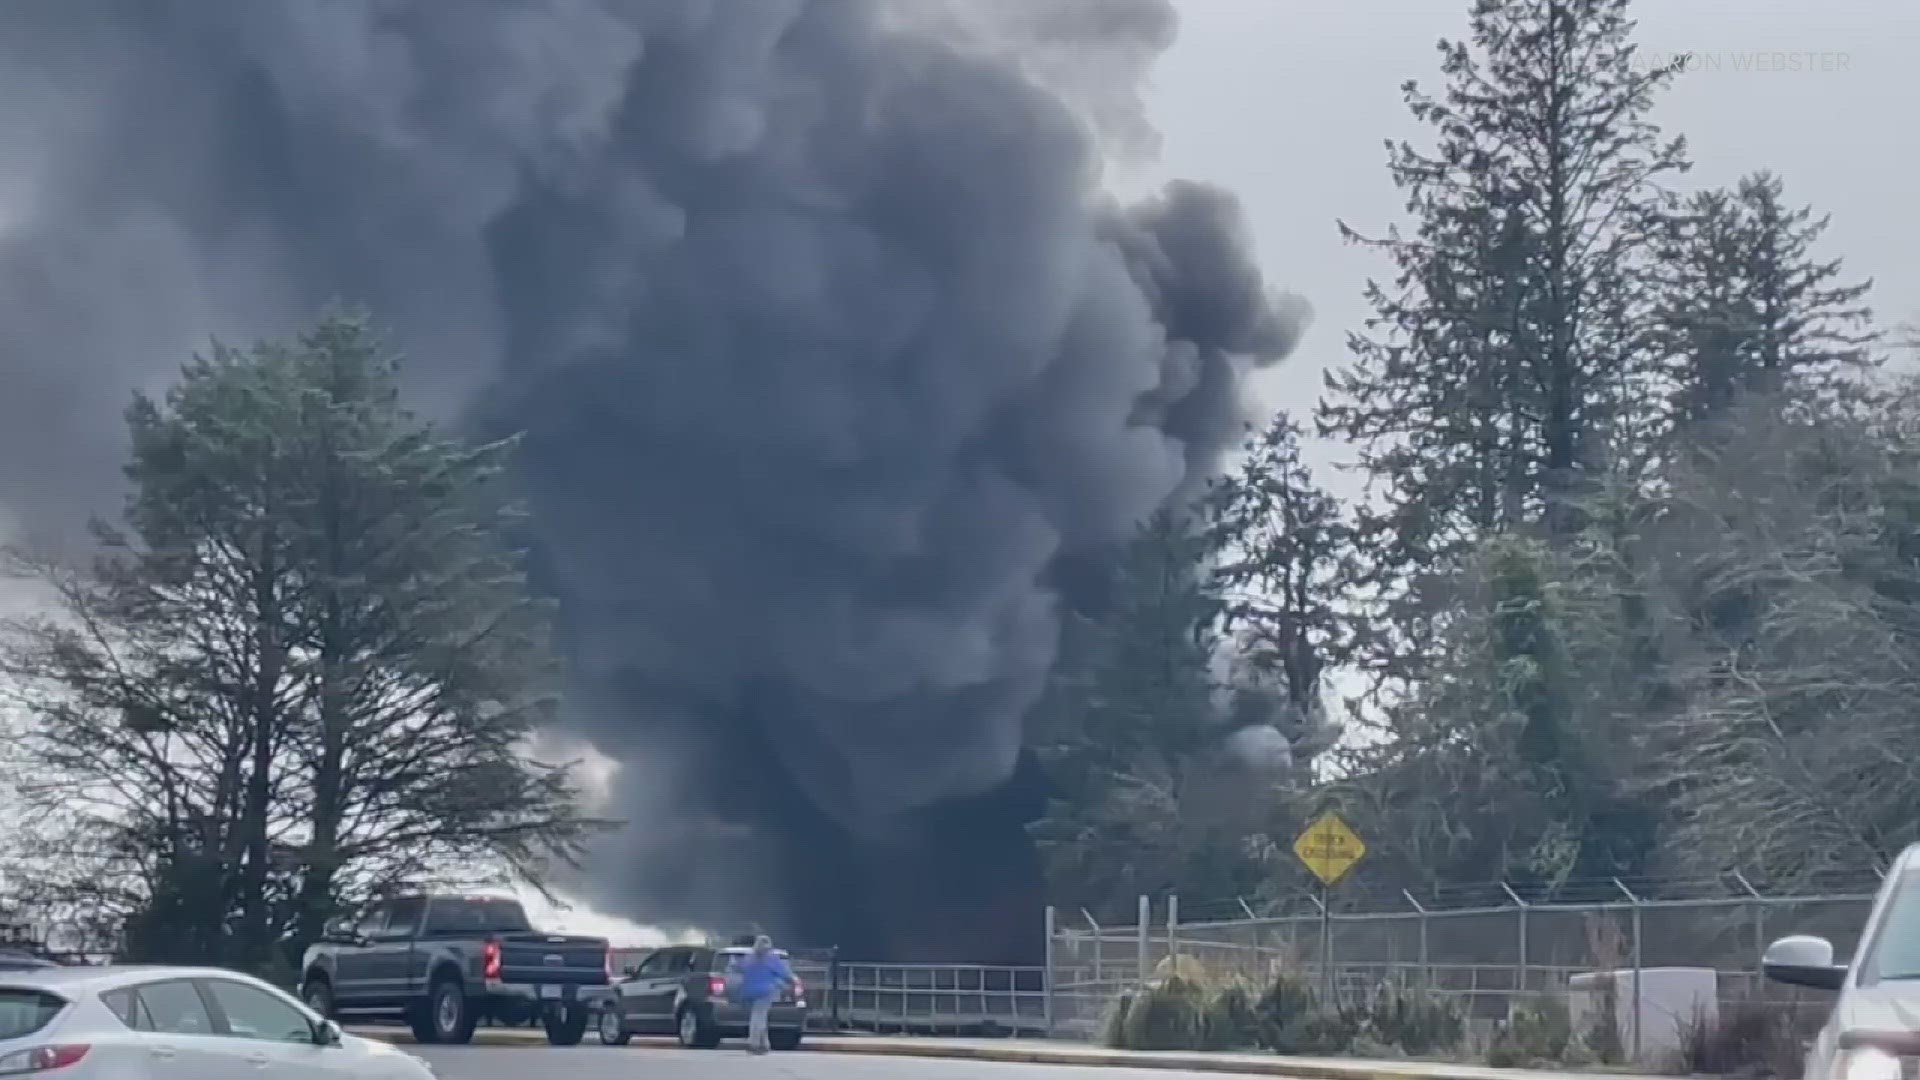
{"x":696,"y":1029}
{"x":784,"y":1040}
{"x":612,"y":1032}
{"x":566,"y":1024}
{"x":450,"y":1014}
{"x":318,"y":994}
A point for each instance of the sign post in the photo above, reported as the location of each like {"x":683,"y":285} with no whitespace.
{"x":1329,"y":849}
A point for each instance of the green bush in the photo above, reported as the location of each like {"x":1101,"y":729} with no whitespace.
{"x":1113,"y":1028}
{"x":1538,"y":1034}
{"x":1286,"y":998}
{"x":1169,"y":1016}
{"x":1233,"y":1016}
{"x":1412,"y":1020}
{"x":1748,"y":1038}
{"x":1318,"y":1032}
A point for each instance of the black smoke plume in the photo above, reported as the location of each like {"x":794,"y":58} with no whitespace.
{"x":829,"y":347}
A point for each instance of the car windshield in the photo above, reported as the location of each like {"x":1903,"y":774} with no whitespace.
{"x":1893,"y":952}
{"x":23,"y":1012}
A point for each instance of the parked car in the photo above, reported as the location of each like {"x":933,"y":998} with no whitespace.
{"x":682,"y":991}
{"x":1875,"y":1022}
{"x":444,"y":962}
{"x":11,"y":960}
{"x":103,"y":1023}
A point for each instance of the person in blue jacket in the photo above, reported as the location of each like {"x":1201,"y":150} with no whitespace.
{"x":760,"y":976}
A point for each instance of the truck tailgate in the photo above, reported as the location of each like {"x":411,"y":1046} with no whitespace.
{"x":553,"y":960}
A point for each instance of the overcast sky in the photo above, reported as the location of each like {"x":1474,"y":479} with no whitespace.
{"x":1287,"y":102}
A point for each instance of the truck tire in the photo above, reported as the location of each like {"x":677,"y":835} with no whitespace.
{"x":784,"y":1039}
{"x":611,"y":1030}
{"x":450,"y":1016}
{"x":696,"y":1029}
{"x":318,"y":994}
{"x":566,"y":1024}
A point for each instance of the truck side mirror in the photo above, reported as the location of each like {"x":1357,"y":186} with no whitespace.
{"x":1803,"y":960}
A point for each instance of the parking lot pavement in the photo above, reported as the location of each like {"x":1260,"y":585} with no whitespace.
{"x":729,"y":1063}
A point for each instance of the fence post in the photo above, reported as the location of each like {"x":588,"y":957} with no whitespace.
{"x":1759,"y":926}
{"x":1142,"y":925}
{"x":1635,"y":902}
{"x":1326,"y":948}
{"x":833,"y":988}
{"x":1426,"y":967}
{"x":1173,"y":933}
{"x":1520,"y":970}
{"x":1259,"y":936}
{"x":1099,"y":935}
{"x":1046,"y":979}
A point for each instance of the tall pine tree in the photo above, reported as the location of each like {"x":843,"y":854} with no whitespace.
{"x":1748,"y":307}
{"x":1504,"y":366}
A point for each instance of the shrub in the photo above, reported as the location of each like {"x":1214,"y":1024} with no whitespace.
{"x":1169,"y":1016}
{"x":1412,"y":1020}
{"x":1113,"y":1027}
{"x":1286,"y":998}
{"x":1749,"y":1038}
{"x":1538,"y":1034}
{"x":1233,"y":1020}
{"x":1320,"y":1031}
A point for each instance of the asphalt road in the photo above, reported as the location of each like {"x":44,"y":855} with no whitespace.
{"x":729,"y":1063}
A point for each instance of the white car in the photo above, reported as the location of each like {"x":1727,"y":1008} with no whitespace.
{"x":164,"y":1023}
{"x":1873,"y":1032}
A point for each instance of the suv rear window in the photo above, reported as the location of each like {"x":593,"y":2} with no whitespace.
{"x":725,"y":957}
{"x":23,"y":1012}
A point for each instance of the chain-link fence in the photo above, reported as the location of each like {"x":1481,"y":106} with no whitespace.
{"x":1486,"y":957}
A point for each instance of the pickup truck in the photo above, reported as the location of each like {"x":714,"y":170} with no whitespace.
{"x":445,"y":962}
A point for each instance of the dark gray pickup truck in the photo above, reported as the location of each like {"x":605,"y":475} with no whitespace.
{"x":445,"y":962}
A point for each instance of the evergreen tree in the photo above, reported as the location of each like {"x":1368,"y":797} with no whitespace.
{"x":1284,"y":573}
{"x":306,"y":669}
{"x":1506,"y":363}
{"x":1749,"y":310}
{"x":1132,"y":737}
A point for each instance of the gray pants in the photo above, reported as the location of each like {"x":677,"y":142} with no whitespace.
{"x":757,"y":1026}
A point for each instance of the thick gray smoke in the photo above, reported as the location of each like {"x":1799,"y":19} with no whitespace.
{"x":829,"y":347}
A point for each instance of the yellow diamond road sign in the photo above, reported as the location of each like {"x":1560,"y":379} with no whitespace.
{"x":1329,"y":848}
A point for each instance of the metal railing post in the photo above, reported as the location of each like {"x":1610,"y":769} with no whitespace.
{"x":1142,"y":927}
{"x":1173,"y":933}
{"x":1426,"y":965}
{"x":1099,"y":936}
{"x":1259,"y":936}
{"x":1637,"y":940}
{"x":1046,"y":980}
{"x":1520,"y":969}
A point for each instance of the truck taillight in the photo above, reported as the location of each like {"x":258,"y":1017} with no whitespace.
{"x":609,"y":965}
{"x":491,"y":960}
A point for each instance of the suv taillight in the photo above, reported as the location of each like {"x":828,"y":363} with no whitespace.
{"x":491,"y":960}
{"x":716,"y":987}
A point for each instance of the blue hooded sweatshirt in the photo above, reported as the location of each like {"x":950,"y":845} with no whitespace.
{"x":761,"y":977}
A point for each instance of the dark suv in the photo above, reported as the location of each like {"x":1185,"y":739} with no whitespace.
{"x":682,"y":991}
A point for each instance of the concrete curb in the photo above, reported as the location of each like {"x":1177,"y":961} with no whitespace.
{"x":1027,"y":1054}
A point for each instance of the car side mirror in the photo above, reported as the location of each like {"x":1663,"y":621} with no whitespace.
{"x":328,"y":1034}
{"x":631,"y":970}
{"x":1803,"y":960}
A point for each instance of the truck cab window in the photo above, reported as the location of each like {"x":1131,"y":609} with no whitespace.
{"x":404,"y":919}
